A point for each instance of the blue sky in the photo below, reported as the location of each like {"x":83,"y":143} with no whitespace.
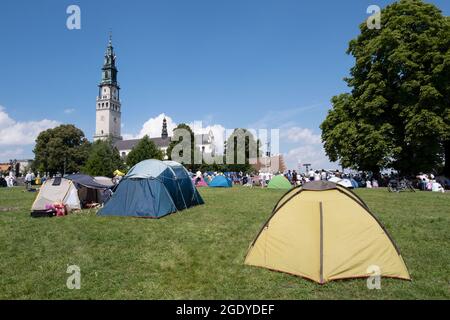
{"x":234,"y":63}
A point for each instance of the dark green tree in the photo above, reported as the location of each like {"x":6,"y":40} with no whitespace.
{"x":103,"y":159}
{"x":183,"y":144}
{"x":145,"y":149}
{"x":398,"y":112}
{"x":240,"y":147}
{"x":63,"y":149}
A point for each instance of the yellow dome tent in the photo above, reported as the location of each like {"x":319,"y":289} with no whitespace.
{"x":118,"y":173}
{"x":323,"y":232}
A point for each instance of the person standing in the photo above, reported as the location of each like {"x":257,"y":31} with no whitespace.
{"x":10,"y":180}
{"x":28,"y":179}
{"x":311,"y":175}
{"x":294,"y":178}
{"x":316,"y":175}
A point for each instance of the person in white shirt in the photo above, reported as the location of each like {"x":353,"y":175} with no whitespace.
{"x":311,"y":175}
{"x":10,"y":179}
{"x":28,"y":179}
{"x":262,"y":179}
{"x":317,"y":176}
{"x":437,"y":187}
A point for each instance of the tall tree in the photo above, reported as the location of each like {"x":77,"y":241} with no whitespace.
{"x":398,"y":112}
{"x":240,"y":147}
{"x":63,"y":149}
{"x":180,"y":143}
{"x":145,"y":149}
{"x":103,"y":159}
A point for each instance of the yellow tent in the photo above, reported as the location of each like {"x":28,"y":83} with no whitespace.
{"x":323,"y":231}
{"x":118,"y":173}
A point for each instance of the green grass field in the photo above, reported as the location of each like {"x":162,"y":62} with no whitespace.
{"x":199,"y":253}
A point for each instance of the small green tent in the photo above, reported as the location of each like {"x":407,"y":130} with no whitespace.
{"x":279,"y":182}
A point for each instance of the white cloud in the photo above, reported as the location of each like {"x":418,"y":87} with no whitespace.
{"x":69,"y":110}
{"x":298,"y":134}
{"x":153,"y":127}
{"x":312,"y":154}
{"x":15,"y":133}
{"x":217,"y":130}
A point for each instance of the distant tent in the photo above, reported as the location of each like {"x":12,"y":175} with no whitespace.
{"x":153,"y":189}
{"x":220,"y":182}
{"x":279,"y":182}
{"x":445,"y":182}
{"x":119,"y":173}
{"x":105,"y":181}
{"x":334,"y":179}
{"x":199,"y":181}
{"x":74,"y":191}
{"x":345,"y":183}
{"x":354,"y":183}
{"x":323,"y":232}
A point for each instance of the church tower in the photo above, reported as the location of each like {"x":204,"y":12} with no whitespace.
{"x":108,"y":109}
{"x":164,"y":133}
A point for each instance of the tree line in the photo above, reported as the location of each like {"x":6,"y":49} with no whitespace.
{"x":65,"y":149}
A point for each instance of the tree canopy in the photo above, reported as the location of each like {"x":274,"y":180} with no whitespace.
{"x":240,"y":147}
{"x":179,"y":144}
{"x":103,"y":159}
{"x":397,"y":114}
{"x":63,"y":149}
{"x":145,"y":149}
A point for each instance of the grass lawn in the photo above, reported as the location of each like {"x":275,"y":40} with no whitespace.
{"x":199,"y":253}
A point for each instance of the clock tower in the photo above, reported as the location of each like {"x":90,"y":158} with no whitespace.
{"x":108,"y":108}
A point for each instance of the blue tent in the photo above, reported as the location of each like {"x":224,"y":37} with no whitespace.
{"x":354,"y":183}
{"x":153,"y":189}
{"x":220,"y":181}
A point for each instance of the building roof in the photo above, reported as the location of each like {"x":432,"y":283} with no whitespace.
{"x":4,"y":167}
{"x":129,"y":144}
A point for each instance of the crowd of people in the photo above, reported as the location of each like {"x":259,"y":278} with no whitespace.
{"x":425,"y":182}
{"x":429,"y":183}
{"x":10,"y":180}
{"x":262,"y":178}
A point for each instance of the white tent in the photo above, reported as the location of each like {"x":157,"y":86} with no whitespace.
{"x":345,"y":183}
{"x":74,"y":191}
{"x":65,"y":192}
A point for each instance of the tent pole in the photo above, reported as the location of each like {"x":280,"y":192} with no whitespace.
{"x":321,"y":242}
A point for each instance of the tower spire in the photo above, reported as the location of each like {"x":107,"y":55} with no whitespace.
{"x":164,"y":133}
{"x":108,"y":110}
{"x":109,"y":66}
